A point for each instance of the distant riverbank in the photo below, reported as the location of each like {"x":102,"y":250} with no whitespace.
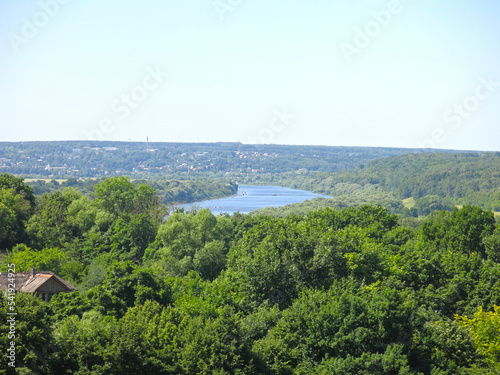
{"x":250,"y":198}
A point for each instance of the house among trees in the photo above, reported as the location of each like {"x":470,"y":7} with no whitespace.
{"x":44,"y":283}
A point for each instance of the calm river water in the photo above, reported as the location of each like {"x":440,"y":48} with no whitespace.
{"x":250,"y":198}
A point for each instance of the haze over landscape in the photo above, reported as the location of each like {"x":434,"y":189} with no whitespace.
{"x":371,"y":73}
{"x":249,"y":187}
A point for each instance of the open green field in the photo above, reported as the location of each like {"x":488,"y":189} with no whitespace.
{"x":409,"y":202}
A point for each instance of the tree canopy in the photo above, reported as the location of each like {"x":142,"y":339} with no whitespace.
{"x":353,"y":290}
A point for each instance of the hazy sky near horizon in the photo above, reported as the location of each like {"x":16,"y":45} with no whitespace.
{"x":408,"y":73}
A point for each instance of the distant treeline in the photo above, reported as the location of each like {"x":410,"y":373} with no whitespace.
{"x":471,"y":178}
{"x":169,"y":191}
{"x":435,"y":181}
{"x":177,"y":160}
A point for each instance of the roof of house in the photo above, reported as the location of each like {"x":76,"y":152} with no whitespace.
{"x":29,"y":283}
{"x":19,"y":279}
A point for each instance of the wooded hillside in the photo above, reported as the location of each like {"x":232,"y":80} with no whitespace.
{"x":433,"y":181}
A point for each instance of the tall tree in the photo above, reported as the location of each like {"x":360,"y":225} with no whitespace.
{"x":17,"y":203}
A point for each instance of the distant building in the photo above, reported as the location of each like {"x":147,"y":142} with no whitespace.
{"x":45,"y":284}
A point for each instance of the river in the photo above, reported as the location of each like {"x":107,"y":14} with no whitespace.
{"x":251,"y":198}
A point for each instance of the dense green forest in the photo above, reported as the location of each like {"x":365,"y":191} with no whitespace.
{"x":171,"y":192}
{"x":434,"y":181}
{"x":336,"y":291}
{"x":463,"y":178}
{"x":177,"y":160}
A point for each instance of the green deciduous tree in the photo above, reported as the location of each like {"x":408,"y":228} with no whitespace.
{"x":348,"y":321}
{"x":86,"y":345}
{"x":15,"y":210}
{"x":485,"y":329}
{"x":131,"y":235}
{"x":192,"y":241}
{"x":126,"y":286}
{"x":32,"y":334}
{"x":429,"y":203}
{"x":8,"y":181}
{"x":461,"y":230}
{"x":48,"y":259}
{"x":49,"y":226}
{"x":492,"y":245}
{"x":115,"y":195}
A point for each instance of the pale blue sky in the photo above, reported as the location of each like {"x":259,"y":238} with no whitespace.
{"x":260,"y":71}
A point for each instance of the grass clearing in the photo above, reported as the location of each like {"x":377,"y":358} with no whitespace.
{"x":409,"y":202}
